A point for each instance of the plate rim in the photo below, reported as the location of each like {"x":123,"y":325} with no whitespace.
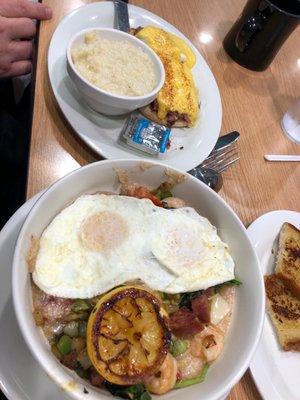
{"x":102,"y":152}
{"x":267,"y":389}
{"x":20,"y":214}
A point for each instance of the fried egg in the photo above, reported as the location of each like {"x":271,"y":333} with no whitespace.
{"x":101,"y":241}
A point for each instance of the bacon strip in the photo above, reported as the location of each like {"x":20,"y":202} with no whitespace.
{"x":174,"y":116}
{"x":183,"y":323}
{"x":201,"y":308}
{"x":49,"y":307}
{"x":154,"y":105}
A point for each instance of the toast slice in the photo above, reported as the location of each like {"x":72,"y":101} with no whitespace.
{"x":288,"y":258}
{"x":284,"y":310}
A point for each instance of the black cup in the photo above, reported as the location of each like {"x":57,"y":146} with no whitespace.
{"x":260,"y":31}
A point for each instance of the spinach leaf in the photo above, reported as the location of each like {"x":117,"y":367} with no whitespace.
{"x":232,"y":282}
{"x":186,"y":298}
{"x":133,"y":392}
{"x":162,"y":194}
{"x":192,"y":381}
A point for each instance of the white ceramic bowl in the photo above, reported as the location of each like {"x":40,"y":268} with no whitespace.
{"x":101,"y":100}
{"x":249,"y":307}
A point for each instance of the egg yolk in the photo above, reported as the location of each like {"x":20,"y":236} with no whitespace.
{"x":103,"y":231}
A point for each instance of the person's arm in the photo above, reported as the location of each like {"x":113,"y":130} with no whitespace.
{"x":17,"y":28}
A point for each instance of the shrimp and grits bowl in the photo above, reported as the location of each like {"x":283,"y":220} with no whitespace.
{"x":134,"y":280}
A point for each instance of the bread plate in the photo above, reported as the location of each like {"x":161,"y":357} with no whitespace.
{"x":276,"y":372}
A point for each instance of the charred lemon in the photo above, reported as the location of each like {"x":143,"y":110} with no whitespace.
{"x":127,"y":335}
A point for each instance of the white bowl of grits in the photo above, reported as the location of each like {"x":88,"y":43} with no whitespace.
{"x":133,"y":279}
{"x":115,"y":72}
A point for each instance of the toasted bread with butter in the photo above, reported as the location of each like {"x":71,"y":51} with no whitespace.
{"x":284,"y":310}
{"x":288,"y":258}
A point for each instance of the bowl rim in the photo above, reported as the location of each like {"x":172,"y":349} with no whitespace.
{"x":18,"y":304}
{"x":140,"y":43}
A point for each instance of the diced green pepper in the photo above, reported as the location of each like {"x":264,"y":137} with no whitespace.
{"x":192,"y":381}
{"x":64,"y":345}
{"x":80,"y":305}
{"x":178,"y":347}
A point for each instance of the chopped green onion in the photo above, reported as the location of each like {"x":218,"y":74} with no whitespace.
{"x":192,"y":381}
{"x":80,"y":305}
{"x":178,"y":347}
{"x":64,"y":345}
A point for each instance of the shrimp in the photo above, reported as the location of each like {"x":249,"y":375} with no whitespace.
{"x":174,"y":202}
{"x":188,"y":365}
{"x":207,"y":344}
{"x":165,"y":379}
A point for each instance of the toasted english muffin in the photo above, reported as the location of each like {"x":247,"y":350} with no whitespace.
{"x":177,"y":103}
{"x":288,"y":258}
{"x":284,"y":310}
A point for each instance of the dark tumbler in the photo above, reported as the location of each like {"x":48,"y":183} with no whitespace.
{"x":260,"y":31}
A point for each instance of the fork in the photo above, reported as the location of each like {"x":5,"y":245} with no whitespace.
{"x":220,"y":160}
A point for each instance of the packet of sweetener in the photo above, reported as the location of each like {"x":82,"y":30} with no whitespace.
{"x":146,"y":136}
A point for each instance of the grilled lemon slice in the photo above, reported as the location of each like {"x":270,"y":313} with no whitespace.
{"x":127,"y":336}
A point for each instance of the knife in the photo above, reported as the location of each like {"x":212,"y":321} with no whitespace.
{"x":121,"y":15}
{"x":225,"y":141}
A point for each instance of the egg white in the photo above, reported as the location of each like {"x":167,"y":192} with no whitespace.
{"x":170,"y":250}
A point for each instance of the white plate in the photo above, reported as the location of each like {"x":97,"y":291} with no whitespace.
{"x":101,"y":133}
{"x":21,"y":377}
{"x":276,"y":372}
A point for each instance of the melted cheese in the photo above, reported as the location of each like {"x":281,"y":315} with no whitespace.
{"x":178,"y":93}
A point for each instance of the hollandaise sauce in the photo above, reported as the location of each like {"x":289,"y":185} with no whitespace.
{"x":179,"y":93}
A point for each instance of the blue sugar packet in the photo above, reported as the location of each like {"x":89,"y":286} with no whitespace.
{"x":146,"y":136}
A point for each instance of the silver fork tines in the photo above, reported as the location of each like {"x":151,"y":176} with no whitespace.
{"x":220,"y":160}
